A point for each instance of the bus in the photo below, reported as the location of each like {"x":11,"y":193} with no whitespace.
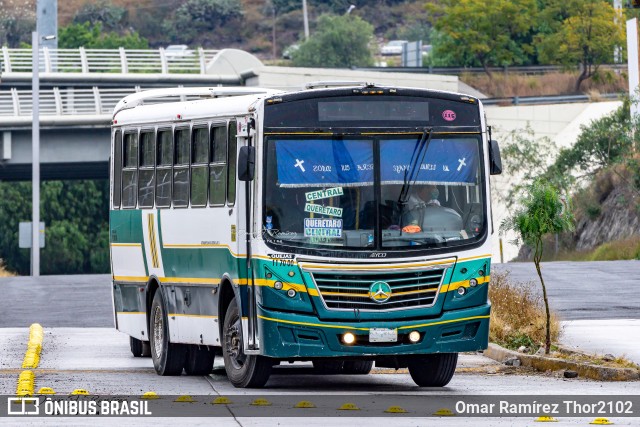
{"x":345,"y":224}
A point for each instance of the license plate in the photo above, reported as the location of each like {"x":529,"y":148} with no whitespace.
{"x":383,"y":335}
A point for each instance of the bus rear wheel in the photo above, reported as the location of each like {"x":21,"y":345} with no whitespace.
{"x":243,"y":370}
{"x":433,"y":370}
{"x":199,"y":360}
{"x":357,"y":367}
{"x":168,"y":358}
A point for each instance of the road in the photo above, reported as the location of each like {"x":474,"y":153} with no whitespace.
{"x":82,"y":350}
{"x":98,"y":360}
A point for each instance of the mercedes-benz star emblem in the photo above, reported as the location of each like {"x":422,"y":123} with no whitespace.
{"x":380,"y":292}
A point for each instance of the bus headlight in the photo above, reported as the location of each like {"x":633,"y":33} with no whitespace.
{"x":473,"y":283}
{"x":462,"y":290}
{"x":414,"y":336}
{"x":291,"y":293}
{"x":278,"y":285}
{"x":348,"y":338}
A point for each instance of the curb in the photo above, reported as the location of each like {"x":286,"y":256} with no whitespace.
{"x":543,"y":364}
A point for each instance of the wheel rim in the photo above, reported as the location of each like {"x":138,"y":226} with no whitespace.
{"x":233,"y":344}
{"x":158,"y":332}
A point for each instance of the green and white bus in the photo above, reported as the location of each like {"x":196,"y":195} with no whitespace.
{"x":343,"y":224}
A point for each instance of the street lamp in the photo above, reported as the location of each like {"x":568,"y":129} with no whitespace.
{"x":35,"y":153}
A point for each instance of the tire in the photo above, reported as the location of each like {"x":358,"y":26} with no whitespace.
{"x":168,"y":358}
{"x":357,"y":367}
{"x":328,"y":367}
{"x":136,"y":347}
{"x":199,"y":360}
{"x":244,"y":371}
{"x":433,"y":370}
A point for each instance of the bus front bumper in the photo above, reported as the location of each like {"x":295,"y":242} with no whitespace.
{"x":299,"y":336}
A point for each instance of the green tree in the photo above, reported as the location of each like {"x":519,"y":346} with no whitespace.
{"x":195,"y":17}
{"x":601,"y":143}
{"x":483,"y":33}
{"x":76,"y":215}
{"x":91,"y":36}
{"x":542,"y":213}
{"x":110,"y":16}
{"x":339,"y":41}
{"x":587,"y":38}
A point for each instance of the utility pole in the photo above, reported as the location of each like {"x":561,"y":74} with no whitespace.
{"x":35,"y":156}
{"x":633,"y":66}
{"x":305,"y":14}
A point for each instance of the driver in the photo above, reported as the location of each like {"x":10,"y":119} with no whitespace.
{"x":421,"y":197}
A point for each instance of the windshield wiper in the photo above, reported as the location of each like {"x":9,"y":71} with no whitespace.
{"x":411,"y":174}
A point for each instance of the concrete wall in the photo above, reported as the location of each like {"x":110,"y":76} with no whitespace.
{"x":291,"y":78}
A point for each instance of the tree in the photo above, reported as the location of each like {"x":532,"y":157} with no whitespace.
{"x":196,"y":17}
{"x":110,"y":16}
{"x":483,"y":33}
{"x":86,"y":35}
{"x":587,"y":38}
{"x":542,"y":212}
{"x":17,"y":21}
{"x":339,"y":41}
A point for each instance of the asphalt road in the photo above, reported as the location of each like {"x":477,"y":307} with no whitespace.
{"x":577,"y":290}
{"x":98,"y":360}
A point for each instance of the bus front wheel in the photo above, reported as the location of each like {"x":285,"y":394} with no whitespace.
{"x":243,"y":370}
{"x":168,"y":358}
{"x":433,"y":370}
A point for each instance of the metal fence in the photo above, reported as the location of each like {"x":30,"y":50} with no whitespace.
{"x":121,"y":60}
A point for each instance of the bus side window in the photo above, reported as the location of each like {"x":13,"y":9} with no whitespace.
{"x":232,"y":177}
{"x":117,"y":168}
{"x":199,"y":166}
{"x":181,"y":168}
{"x":164,"y":161}
{"x":130,"y":170}
{"x":147,"y":173}
{"x":218,"y":171}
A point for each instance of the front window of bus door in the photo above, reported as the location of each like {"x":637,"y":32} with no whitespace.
{"x":431,"y":191}
{"x":319,"y":192}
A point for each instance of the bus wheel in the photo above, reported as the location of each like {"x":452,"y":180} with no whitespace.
{"x":168,"y":358}
{"x":328,"y":367}
{"x":433,"y":370}
{"x":357,"y":367}
{"x":199,"y":360}
{"x":243,"y":370}
{"x":139,"y":348}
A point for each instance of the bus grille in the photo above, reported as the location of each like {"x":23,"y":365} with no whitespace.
{"x":352,"y":290}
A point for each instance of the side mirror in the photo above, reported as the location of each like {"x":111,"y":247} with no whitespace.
{"x":246,"y":163}
{"x":495,"y":161}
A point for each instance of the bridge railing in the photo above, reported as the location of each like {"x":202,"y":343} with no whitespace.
{"x":68,"y":101}
{"x":108,"y":60}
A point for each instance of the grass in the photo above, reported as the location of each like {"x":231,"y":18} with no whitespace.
{"x":557,"y":83}
{"x":4,"y":272}
{"x":518,"y":315}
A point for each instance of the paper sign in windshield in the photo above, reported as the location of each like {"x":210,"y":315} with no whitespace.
{"x":323,"y":210}
{"x":322,"y":227}
{"x":324,"y":194}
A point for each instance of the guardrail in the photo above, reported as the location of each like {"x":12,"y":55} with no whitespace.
{"x":121,"y":60}
{"x":69,"y":101}
{"x":557,"y":99}
{"x":525,"y":69}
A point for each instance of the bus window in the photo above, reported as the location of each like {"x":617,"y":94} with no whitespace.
{"x":130,"y":170}
{"x":147,"y":173}
{"x":218,"y":172}
{"x":164,"y":161}
{"x":233,"y":142}
{"x":199,"y":166}
{"x":117,"y":168}
{"x":181,"y":168}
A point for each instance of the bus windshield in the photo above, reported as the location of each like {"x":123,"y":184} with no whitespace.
{"x":374,"y":192}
